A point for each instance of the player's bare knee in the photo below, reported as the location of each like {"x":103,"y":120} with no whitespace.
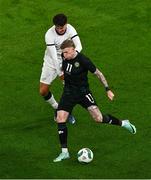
{"x":43,"y":91}
{"x":95,"y":113}
{"x":61,"y":117}
{"x":98,"y":118}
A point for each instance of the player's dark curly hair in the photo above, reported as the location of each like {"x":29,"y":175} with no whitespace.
{"x":60,"y":20}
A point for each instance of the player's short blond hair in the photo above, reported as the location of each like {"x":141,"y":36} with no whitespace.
{"x":67,"y":43}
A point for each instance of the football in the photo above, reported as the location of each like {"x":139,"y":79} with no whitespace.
{"x":85,"y":155}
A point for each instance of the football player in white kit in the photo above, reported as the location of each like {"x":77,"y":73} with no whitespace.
{"x":54,"y":37}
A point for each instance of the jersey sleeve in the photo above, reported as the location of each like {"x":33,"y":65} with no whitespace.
{"x":51,"y":49}
{"x":49,"y":38}
{"x":87,"y":63}
{"x":77,"y":42}
{"x":75,"y":38}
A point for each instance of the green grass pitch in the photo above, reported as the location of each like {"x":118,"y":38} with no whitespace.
{"x":116,"y":35}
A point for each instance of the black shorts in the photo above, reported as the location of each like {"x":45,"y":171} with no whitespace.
{"x":72,"y":97}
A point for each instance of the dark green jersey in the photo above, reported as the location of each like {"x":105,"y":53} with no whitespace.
{"x":76,"y":71}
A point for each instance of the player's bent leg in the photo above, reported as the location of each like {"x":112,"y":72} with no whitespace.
{"x":47,"y":95}
{"x":109,"y":119}
{"x":48,"y":75}
{"x":115,"y":121}
{"x":71,"y":119}
{"x":99,"y":117}
{"x":62,"y":116}
{"x":95,"y":113}
{"x":63,"y":132}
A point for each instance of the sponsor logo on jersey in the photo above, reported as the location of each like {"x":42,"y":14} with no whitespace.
{"x":76,"y":64}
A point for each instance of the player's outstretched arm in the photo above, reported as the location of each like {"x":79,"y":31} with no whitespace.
{"x":103,"y":80}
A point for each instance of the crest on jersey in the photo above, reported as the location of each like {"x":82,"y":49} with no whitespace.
{"x":76,"y":64}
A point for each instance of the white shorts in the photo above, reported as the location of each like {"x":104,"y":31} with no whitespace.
{"x":48,"y":74}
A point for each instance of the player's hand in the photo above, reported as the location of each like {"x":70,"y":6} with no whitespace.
{"x":62,"y":77}
{"x":110,"y":95}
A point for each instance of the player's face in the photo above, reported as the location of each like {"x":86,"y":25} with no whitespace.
{"x":69,"y":53}
{"x":61,"y":29}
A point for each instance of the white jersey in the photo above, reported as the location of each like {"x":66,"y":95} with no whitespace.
{"x":52,"y":57}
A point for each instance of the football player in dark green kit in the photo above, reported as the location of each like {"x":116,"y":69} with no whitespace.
{"x":75,"y":67}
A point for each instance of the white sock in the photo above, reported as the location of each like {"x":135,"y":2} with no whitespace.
{"x":64,"y":150}
{"x":53,"y":102}
{"x":123,"y":123}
